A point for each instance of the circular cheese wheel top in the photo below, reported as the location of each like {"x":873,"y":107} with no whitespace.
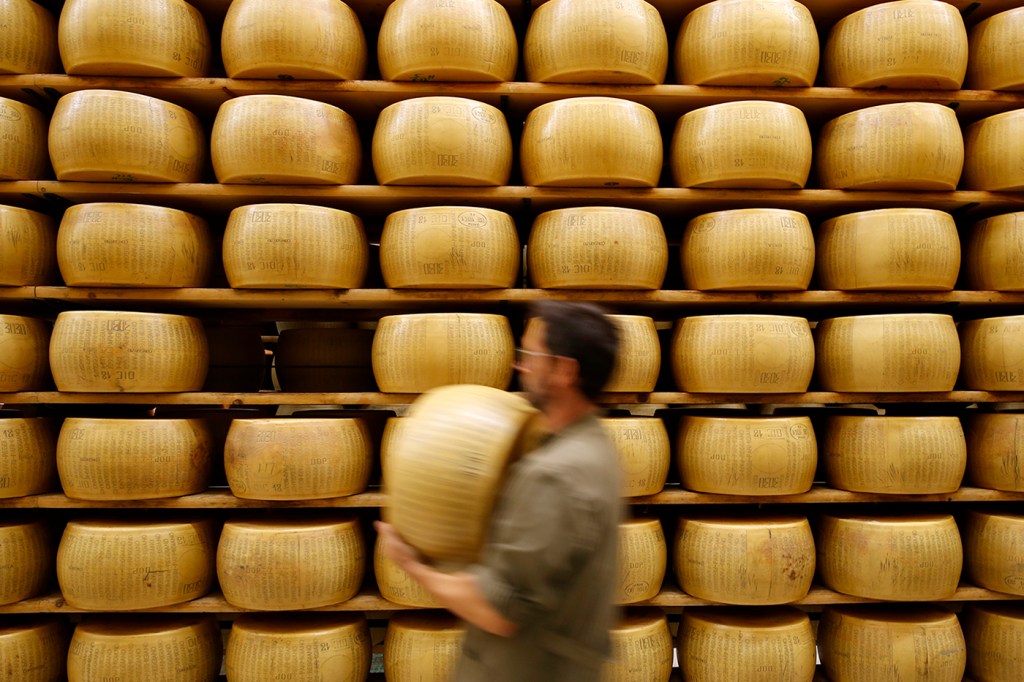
{"x":994,"y":258}
{"x":396,"y":585}
{"x":603,"y":41}
{"x":316,"y":359}
{"x":422,"y":648}
{"x":449,"y":247}
{"x":447,"y":40}
{"x":745,"y":42}
{"x":915,"y":557}
{"x":643,"y":555}
{"x":903,"y":146}
{"x":276,"y":139}
{"x":292,"y":39}
{"x":747,"y":144}
{"x":26,"y":559}
{"x":638,"y":359}
{"x":35,"y":650}
{"x":644,"y":453}
{"x":996,"y":52}
{"x":28,"y":38}
{"x":591,"y":142}
{"x":23,"y":154}
{"x":27,"y":461}
{"x":742,"y":354}
{"x":911,"y":352}
{"x":993,"y":353}
{"x":994,"y":550}
{"x":28,"y":243}
{"x":133,"y":245}
{"x":994,"y":634}
{"x":128,"y":564}
{"x":905,"y":44}
{"x":442,"y":141}
{"x":641,"y":648}
{"x":597,"y":247}
{"x":991,"y":147}
{"x":23,"y":353}
{"x":760,"y":249}
{"x":114,"y":136}
{"x":995,"y":451}
{"x":280,"y":565}
{"x":114,"y":352}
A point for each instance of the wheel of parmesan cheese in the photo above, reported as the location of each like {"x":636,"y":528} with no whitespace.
{"x":396,"y":585}
{"x":27,"y":456}
{"x":422,"y":647}
{"x":995,"y":451}
{"x":28,"y":246}
{"x":308,"y":646}
{"x":994,"y":550}
{"x":638,"y":359}
{"x":994,"y":634}
{"x":994,"y":258}
{"x":28,"y":38}
{"x":642,"y":560}
{"x":23,"y":353}
{"x":644,"y":453}
{"x":26,"y":559}
{"x":996,"y":52}
{"x":23,"y":142}
{"x":993,"y":353}
{"x":35,"y":650}
{"x":641,"y":648}
{"x":992,"y":147}
{"x":324,"y":359}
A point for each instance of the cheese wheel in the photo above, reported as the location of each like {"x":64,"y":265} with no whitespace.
{"x":643,"y":555}
{"x":993,"y":353}
{"x":133,"y":245}
{"x":912,"y":352}
{"x":282,"y":565}
{"x":276,"y":139}
{"x":638,"y":358}
{"x":422,"y":648}
{"x":27,"y":246}
{"x":127,"y":38}
{"x":23,"y":143}
{"x":441,"y":141}
{"x":992,"y":147}
{"x":113,"y":136}
{"x":900,"y":558}
{"x":396,"y":585}
{"x":414,"y":353}
{"x":28,"y":38}
{"x":644,"y":453}
{"x":27,"y":459}
{"x":757,"y":561}
{"x":292,"y":39}
{"x":591,"y":142}
{"x":994,"y":634}
{"x":745,"y":42}
{"x":238,"y":358}
{"x":597,"y":247}
{"x":995,"y":451}
{"x":994,"y":550}
{"x":316,"y":359}
{"x":34,"y":650}
{"x":641,"y":648}
{"x":128,"y":564}
{"x":759,"y":249}
{"x":919,"y":643}
{"x":133,"y":459}
{"x":746,"y":456}
{"x":747,"y":144}
{"x":745,"y":644}
{"x":995,"y":254}
{"x":918,"y":44}
{"x":742,"y":354}
{"x":115,"y":352}
{"x":903,"y":146}
{"x":894,"y":455}
{"x":449,"y":247}
{"x":165,"y":648}
{"x":26,"y":558}
{"x":447,"y":40}
{"x":23,"y":353}
{"x":602,"y":41}
{"x":996,"y":52}
{"x":308,"y":648}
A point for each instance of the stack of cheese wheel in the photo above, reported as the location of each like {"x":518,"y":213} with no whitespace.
{"x":292,"y":39}
{"x":745,"y":42}
{"x":644,"y":453}
{"x":996,"y":52}
{"x":113,"y":136}
{"x":27,"y":460}
{"x":29,"y":36}
{"x":638,"y":359}
{"x":23,"y":155}
{"x":742,"y":354}
{"x":995,"y":451}
{"x":597,"y":247}
{"x":891,"y":643}
{"x":736,"y":644}
{"x":445,"y":464}
{"x":314,"y":359}
{"x":894,"y":455}
{"x":994,"y":634}
{"x":111,"y":352}
{"x":904,"y":146}
{"x":23,"y":353}
{"x":458,"y":40}
{"x":396,"y":585}
{"x":994,"y":550}
{"x":992,"y":147}
{"x":920,"y":44}
{"x":901,"y":558}
{"x":604,"y":41}
{"x":155,"y":38}
{"x":180,"y":647}
{"x":449,"y":247}
{"x":760,"y":560}
{"x":747,"y":456}
{"x":761,"y":249}
{"x":28,"y":242}
{"x":313,"y":646}
{"x":417,"y":352}
{"x":643,"y":556}
{"x":993,"y":353}
{"x":442,"y":141}
{"x":26,"y":559}
{"x":915,"y":249}
{"x":911,"y":352}
{"x":282,"y":246}
{"x":34,"y":650}
{"x":276,"y":139}
{"x":129,"y":564}
{"x":746,"y":144}
{"x":591,"y":142}
{"x":133,"y":245}
{"x":422,"y":647}
{"x":641,"y":648}
{"x":276,"y":565}
{"x":994,"y":259}
{"x":238,"y":359}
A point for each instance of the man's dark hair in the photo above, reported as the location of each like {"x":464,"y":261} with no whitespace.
{"x":583,"y":332}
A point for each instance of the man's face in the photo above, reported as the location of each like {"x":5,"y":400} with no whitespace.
{"x":534,"y":365}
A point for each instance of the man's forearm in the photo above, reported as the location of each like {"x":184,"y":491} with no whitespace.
{"x":461,"y":594}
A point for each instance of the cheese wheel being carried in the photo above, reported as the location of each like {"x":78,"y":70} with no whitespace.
{"x":28,"y":38}
{"x":994,"y":258}
{"x":992,"y":147}
{"x":643,"y":555}
{"x":641,"y":648}
{"x":995,"y":451}
{"x":26,"y":559}
{"x":644,"y":453}
{"x":35,"y":650}
{"x":23,"y":353}
{"x":27,"y":247}
{"x":996,"y":52}
{"x":27,"y":456}
{"x":422,"y":647}
{"x":994,"y":634}
{"x":638,"y":358}
{"x":994,"y":550}
{"x":396,"y":585}
{"x":325,"y":359}
{"x":23,"y":142}
{"x":993,"y":353}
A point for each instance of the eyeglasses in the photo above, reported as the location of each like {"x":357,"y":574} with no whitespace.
{"x":522,"y":354}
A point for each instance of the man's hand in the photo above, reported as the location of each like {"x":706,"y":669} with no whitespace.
{"x":395,"y":548}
